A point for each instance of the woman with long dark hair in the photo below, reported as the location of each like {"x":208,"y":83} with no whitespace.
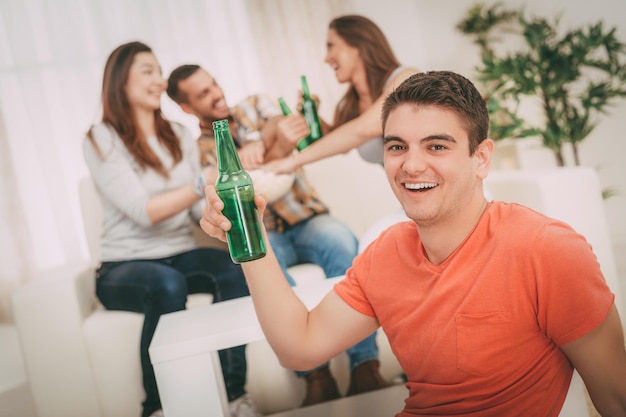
{"x":361,"y":56}
{"x":147,"y":172}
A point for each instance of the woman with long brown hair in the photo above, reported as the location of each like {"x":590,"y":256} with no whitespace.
{"x":147,"y":172}
{"x":361,"y":56}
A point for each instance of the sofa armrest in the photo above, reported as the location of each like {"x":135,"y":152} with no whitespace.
{"x":570,"y":194}
{"x":49,"y":313}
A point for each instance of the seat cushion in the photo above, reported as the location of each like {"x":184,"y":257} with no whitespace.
{"x":112,"y":342}
{"x":306,"y":273}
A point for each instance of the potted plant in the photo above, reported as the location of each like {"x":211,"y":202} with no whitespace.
{"x":572,"y":76}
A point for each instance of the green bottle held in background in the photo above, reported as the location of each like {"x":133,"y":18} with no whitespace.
{"x":309,"y":111}
{"x":234,"y":187}
{"x":284,"y":107}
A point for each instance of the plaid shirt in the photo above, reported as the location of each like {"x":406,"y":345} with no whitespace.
{"x":247,"y":121}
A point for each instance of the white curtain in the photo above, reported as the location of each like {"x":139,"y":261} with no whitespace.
{"x":52,"y":55}
{"x":14,"y":238}
{"x":293,"y":36}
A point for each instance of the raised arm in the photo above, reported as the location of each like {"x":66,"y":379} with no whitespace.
{"x":301,"y":339}
{"x":600,"y":359}
{"x":346,"y":137}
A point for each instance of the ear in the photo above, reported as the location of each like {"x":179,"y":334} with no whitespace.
{"x":483,"y":155}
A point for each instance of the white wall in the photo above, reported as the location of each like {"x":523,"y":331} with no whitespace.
{"x":422,"y":33}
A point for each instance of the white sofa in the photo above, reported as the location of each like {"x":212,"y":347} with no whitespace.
{"x":571,"y":194}
{"x":83,"y":360}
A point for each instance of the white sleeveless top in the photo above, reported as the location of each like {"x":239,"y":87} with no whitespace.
{"x":372,"y":150}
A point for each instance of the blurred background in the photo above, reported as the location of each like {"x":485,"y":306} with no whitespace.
{"x":52,"y":55}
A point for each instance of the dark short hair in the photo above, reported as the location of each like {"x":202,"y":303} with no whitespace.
{"x":448,"y":90}
{"x":179,"y":74}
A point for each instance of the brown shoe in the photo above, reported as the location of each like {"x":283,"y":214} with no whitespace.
{"x":366,"y":377}
{"x":320,"y":387}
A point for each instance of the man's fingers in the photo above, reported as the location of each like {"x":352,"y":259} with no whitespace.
{"x":213,"y":222}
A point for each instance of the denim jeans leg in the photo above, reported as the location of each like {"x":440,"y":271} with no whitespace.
{"x":234,"y":366}
{"x":283,"y":247}
{"x":333,"y":246}
{"x":325,"y":241}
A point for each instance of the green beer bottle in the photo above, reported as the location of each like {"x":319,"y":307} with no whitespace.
{"x":309,"y":111}
{"x":234,"y":187}
{"x":284,"y":107}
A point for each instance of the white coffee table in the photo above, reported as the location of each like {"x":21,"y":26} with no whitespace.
{"x":184,"y":350}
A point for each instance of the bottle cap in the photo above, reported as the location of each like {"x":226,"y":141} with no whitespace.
{"x":220,"y":124}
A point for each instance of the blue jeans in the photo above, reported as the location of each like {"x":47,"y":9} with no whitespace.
{"x":325,"y":241}
{"x":159,"y":286}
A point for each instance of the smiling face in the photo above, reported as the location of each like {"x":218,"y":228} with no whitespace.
{"x":145,"y":83}
{"x":343,"y":58}
{"x":205,"y":98}
{"x":428,"y":163}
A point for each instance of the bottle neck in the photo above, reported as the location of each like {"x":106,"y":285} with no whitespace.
{"x":227,"y":158}
{"x":306,"y":94}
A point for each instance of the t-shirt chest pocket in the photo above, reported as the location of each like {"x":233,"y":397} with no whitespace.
{"x":483,"y":342}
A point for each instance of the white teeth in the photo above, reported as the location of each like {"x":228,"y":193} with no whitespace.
{"x":421,"y":185}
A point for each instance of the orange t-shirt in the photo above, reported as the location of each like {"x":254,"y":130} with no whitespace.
{"x":479,"y":335}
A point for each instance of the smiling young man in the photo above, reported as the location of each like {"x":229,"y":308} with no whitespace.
{"x":489,"y":306}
